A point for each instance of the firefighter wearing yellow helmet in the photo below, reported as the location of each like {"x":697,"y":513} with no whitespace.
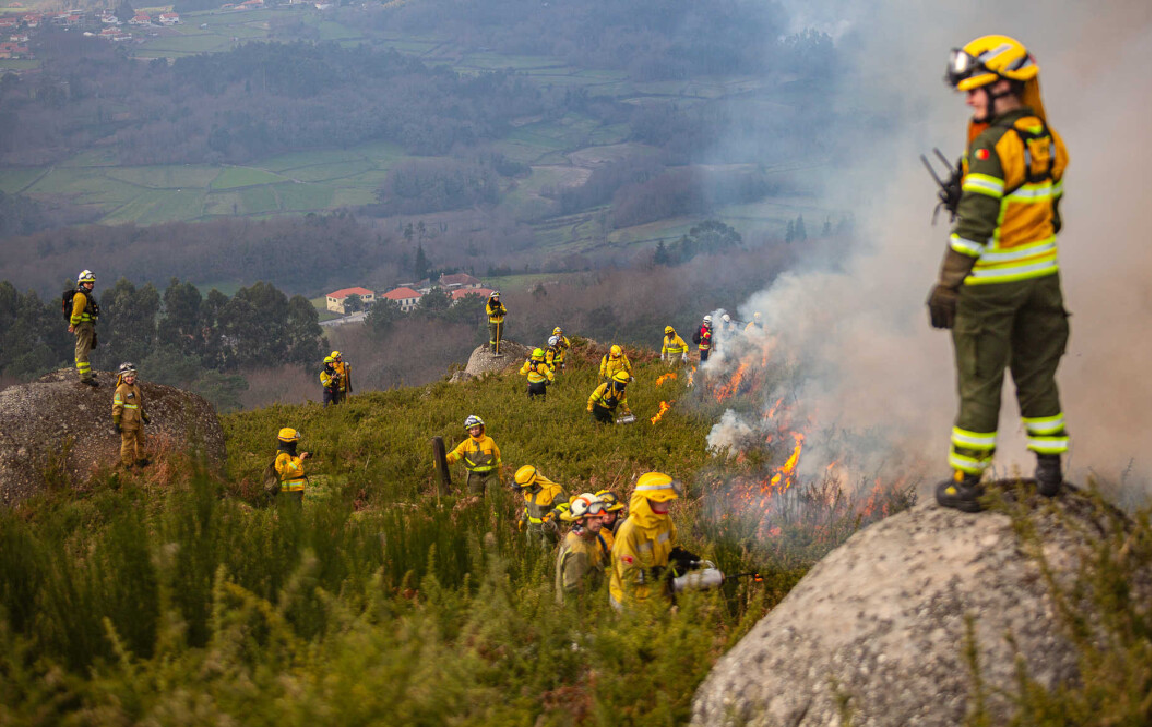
{"x":330,"y":381}
{"x":580,"y":562}
{"x":614,"y":362}
{"x":558,"y":345}
{"x":644,"y":542}
{"x":290,"y":466}
{"x":608,"y":397}
{"x":541,"y":496}
{"x":539,"y":374}
{"x":84,"y":312}
{"x":999,"y":286}
{"x":343,"y":371}
{"x":674,"y":347}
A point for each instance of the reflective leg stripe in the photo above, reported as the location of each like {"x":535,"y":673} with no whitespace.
{"x":1048,"y":445}
{"x":973,"y":440}
{"x":292,"y":485}
{"x":130,"y":406}
{"x":968,"y":465}
{"x":1044,"y":425}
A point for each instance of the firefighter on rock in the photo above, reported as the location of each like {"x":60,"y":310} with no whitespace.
{"x":539,"y":374}
{"x":496,"y":312}
{"x":82,"y":323}
{"x":999,"y":286}
{"x":129,"y":416}
{"x":481,"y":457}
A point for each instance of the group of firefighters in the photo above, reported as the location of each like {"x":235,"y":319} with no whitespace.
{"x":998,"y":291}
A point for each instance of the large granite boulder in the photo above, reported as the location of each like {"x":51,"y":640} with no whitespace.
{"x":882,"y":621}
{"x":482,"y":361}
{"x":56,"y":431}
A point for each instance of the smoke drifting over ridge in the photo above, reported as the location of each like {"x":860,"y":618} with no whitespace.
{"x":855,"y":322}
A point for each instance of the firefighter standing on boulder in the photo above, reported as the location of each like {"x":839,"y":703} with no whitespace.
{"x":674,"y":347}
{"x":539,"y":374}
{"x":82,"y":323}
{"x":129,"y":416}
{"x":999,"y":286}
{"x":614,"y":362}
{"x":496,"y":312}
{"x":481,"y":457}
{"x":608,"y":397}
{"x":541,"y":496}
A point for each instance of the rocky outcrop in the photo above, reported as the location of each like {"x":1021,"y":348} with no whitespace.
{"x":482,"y":361}
{"x":882,"y":622}
{"x":56,"y":431}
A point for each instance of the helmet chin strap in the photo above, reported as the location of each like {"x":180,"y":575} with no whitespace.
{"x":990,"y":113}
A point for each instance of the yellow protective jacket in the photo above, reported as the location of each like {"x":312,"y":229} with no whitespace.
{"x":83,"y":309}
{"x":754,"y":326}
{"x":579,"y":565}
{"x":1008,"y":216}
{"x":291,"y":471}
{"x":607,"y":540}
{"x":674,"y":345}
{"x":539,"y":501}
{"x":326,"y":378}
{"x":128,"y":406}
{"x":609,"y":395}
{"x":480,"y":454}
{"x":345,"y":370}
{"x":495,"y":313}
{"x":644,"y":542}
{"x":609,"y":366}
{"x":537,"y":371}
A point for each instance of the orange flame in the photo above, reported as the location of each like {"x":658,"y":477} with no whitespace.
{"x":787,"y":473}
{"x":661,"y":379}
{"x":664,"y":407}
{"x":728,"y":389}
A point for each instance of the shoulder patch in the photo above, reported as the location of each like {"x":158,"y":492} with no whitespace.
{"x":982,"y":154}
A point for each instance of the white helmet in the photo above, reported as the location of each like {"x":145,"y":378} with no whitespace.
{"x":473,"y":421}
{"x":583,"y":506}
{"x":554,"y":340}
{"x":708,"y":319}
{"x":86,"y":276}
{"x":726,"y":318}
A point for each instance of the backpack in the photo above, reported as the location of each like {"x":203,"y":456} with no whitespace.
{"x":66,"y":303}
{"x":696,"y":337}
{"x":270,"y":481}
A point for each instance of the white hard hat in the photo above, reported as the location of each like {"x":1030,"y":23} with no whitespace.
{"x":707,"y":319}
{"x":726,"y":318}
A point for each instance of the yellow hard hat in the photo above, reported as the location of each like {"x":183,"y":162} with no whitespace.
{"x":669,"y":330}
{"x":622,"y":377}
{"x":328,"y":359}
{"x":336,"y":354}
{"x":658,"y":486}
{"x":988,"y":59}
{"x":757,"y":316}
{"x":288,"y":435}
{"x":615,"y":351}
{"x":556,"y":331}
{"x":538,"y":354}
{"x":611,"y":502}
{"x":525,"y":476}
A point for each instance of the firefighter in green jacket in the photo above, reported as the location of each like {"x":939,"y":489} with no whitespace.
{"x":496,"y":312}
{"x":608,"y":397}
{"x":539,"y":374}
{"x":580,"y":564}
{"x":541,"y":496}
{"x":481,"y":457}
{"x":129,"y":416}
{"x":999,"y":286}
{"x":82,"y":323}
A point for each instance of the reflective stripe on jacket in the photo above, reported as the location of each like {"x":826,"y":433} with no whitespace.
{"x":496,"y":314}
{"x":540,"y":500}
{"x":127,"y":406}
{"x":609,"y":366}
{"x":480,"y":454}
{"x":705,"y":338}
{"x":536,"y":371}
{"x":644,"y":541}
{"x":291,"y":471}
{"x":609,"y":395}
{"x":343,"y":368}
{"x":674,"y":345}
{"x":1008,"y":216}
{"x":83,"y":309}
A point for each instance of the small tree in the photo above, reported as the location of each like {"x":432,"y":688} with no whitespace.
{"x":353,"y":303}
{"x":383,"y":315}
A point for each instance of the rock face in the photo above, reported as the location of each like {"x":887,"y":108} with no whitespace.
{"x":57,"y":431}
{"x":511,"y":356}
{"x":882,"y":620}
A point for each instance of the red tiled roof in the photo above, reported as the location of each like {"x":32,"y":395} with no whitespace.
{"x":345,"y":292}
{"x":401,"y":293}
{"x":461,"y":292}
{"x":458,"y":279}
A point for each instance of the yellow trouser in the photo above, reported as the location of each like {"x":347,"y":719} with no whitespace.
{"x":131,"y":446}
{"x":85,"y":333}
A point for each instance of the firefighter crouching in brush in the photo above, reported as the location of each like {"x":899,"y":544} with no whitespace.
{"x":541,"y":496}
{"x":580,"y":563}
{"x":608,"y":397}
{"x":82,"y":323}
{"x":481,"y":457}
{"x":539,"y":374}
{"x":614,"y":362}
{"x":674,"y":347}
{"x":645,"y":543}
{"x":999,"y":286}
{"x":290,"y":467}
{"x":129,"y":416}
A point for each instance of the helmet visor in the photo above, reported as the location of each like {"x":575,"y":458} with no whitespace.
{"x":961,"y":65}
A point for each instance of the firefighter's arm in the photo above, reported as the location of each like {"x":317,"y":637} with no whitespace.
{"x":456,"y":454}
{"x":496,"y":455}
{"x":603,"y":367}
{"x":117,"y":406}
{"x":981,"y":191}
{"x":595,"y":396}
{"x":79,"y":302}
{"x":524,"y":368}
{"x":572,"y":570}
{"x":548,"y":373}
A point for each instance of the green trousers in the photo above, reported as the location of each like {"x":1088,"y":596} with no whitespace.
{"x":85,"y":337}
{"x":495,"y":333}
{"x":479,"y":482}
{"x":1022,"y":326}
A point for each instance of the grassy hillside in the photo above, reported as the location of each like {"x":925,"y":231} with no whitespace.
{"x":173,"y":597}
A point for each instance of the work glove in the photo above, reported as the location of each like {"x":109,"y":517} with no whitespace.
{"x":116,"y":421}
{"x":942,"y":299}
{"x":684,"y":357}
{"x":663,"y":357}
{"x":147,"y":419}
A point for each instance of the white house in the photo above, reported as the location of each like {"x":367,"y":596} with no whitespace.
{"x":406,"y":298}
{"x":335,"y":300}
{"x":169,"y":18}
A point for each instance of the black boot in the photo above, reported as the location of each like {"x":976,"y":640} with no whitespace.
{"x":1048,"y":475}
{"x":962,"y":492}
{"x":143,"y":462}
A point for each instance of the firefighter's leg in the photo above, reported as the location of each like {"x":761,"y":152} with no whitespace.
{"x":329,"y":397}
{"x":1039,"y":339}
{"x":981,"y":339}
{"x":492,"y":333}
{"x":127,"y":447}
{"x":84,"y":335}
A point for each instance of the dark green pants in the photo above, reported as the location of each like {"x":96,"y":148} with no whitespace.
{"x":603,"y":414}
{"x":478,"y":482}
{"x":1021,"y":326}
{"x":495,"y":332}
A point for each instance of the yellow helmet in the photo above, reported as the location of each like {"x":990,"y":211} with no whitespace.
{"x":525,"y":476}
{"x":288,"y":435}
{"x":669,"y":330}
{"x":336,"y":354}
{"x":328,"y":359}
{"x":988,"y":59}
{"x":659,"y":487}
{"x":556,"y":331}
{"x":757,"y":316}
{"x":622,"y":377}
{"x":538,"y":354}
{"x":615,"y":351}
{"x":611,"y":502}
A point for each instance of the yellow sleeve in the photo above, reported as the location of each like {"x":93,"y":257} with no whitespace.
{"x":603,"y":366}
{"x":524,"y":369}
{"x":496,"y":453}
{"x":595,"y":396}
{"x":548,"y":374}
{"x":117,"y":404}
{"x":79,"y":303}
{"x":456,"y":454}
{"x":664,"y":351}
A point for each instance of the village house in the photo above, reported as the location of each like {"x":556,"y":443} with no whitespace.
{"x":8,"y":23}
{"x":32,"y":20}
{"x":170,"y":18}
{"x":335,"y":300}
{"x":404,"y":297}
{"x":14,"y":50}
{"x":140,"y":19}
{"x":459,"y":280}
{"x":459,"y":293}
